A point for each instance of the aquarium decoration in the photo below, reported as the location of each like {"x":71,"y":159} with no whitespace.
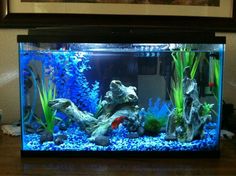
{"x":72,"y":100}
{"x":185,"y":122}
{"x":47,"y":93}
{"x":182,"y":58}
{"x":192,"y":123}
{"x":152,"y":126}
{"x":156,"y":116}
{"x":68,"y":74}
{"x":114,"y":112}
{"x":67,"y":71}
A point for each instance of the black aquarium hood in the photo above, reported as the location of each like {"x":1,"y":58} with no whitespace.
{"x":118,"y":34}
{"x":73,"y":30}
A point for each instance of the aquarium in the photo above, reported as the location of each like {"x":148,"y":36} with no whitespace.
{"x":132,"y":96}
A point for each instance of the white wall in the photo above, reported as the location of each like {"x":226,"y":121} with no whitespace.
{"x":229,"y":91}
{"x":9,"y":89}
{"x":156,"y":88}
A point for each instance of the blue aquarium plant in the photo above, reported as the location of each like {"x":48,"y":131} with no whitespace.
{"x":67,"y":70}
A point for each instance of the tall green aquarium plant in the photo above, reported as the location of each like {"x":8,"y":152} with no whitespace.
{"x":47,"y":92}
{"x":214,"y":72}
{"x":184,"y":57}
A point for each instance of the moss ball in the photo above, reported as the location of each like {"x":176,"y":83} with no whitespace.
{"x":152,"y":126}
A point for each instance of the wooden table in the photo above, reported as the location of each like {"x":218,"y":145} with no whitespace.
{"x":11,"y":163}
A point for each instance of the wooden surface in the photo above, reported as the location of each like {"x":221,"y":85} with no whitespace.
{"x":12,"y":164}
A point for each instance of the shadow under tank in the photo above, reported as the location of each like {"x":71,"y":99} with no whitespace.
{"x":120,"y":95}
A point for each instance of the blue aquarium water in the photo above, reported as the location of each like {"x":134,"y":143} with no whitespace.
{"x":120,"y":96}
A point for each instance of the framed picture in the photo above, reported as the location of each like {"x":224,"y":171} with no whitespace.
{"x":210,"y":14}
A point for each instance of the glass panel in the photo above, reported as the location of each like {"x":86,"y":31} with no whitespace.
{"x":120,"y":97}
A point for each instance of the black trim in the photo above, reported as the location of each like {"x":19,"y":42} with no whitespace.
{"x":122,"y":154}
{"x":74,"y":30}
{"x":117,"y":35}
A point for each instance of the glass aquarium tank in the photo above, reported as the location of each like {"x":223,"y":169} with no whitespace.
{"x":131,"y":96}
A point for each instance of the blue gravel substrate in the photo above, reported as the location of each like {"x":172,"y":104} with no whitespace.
{"x":78,"y":141}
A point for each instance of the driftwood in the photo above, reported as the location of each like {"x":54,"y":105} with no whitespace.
{"x":118,"y":101}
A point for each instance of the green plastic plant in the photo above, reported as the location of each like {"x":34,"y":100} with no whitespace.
{"x":216,"y":64}
{"x":214,"y":77}
{"x":158,"y":109}
{"x":152,"y":126}
{"x":47,"y":93}
{"x":178,"y":98}
{"x":161,"y":120}
{"x":206,"y":109}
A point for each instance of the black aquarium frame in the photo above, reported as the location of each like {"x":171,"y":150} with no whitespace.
{"x":116,"y":35}
{"x":121,"y":154}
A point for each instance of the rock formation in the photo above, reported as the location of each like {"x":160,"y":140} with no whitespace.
{"x":191,"y":125}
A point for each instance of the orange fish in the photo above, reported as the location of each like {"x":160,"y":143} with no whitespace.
{"x":117,"y":122}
